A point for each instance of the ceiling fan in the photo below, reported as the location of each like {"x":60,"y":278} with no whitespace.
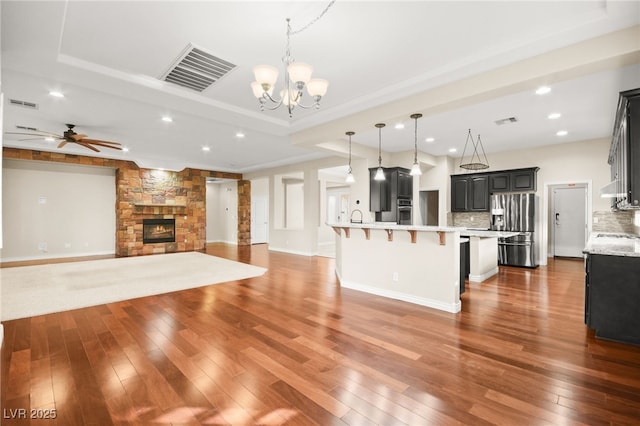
{"x":69,"y":136}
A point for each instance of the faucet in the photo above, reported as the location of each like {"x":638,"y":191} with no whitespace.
{"x":356,"y":220}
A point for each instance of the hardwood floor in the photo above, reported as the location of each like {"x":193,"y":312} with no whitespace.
{"x":292,"y":347}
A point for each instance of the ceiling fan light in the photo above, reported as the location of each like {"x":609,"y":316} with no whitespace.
{"x":265,"y":75}
{"x":415,"y":170}
{"x":299,"y":71}
{"x":317,"y":87}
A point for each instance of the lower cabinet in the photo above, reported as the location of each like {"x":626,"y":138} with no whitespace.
{"x":612,"y":297}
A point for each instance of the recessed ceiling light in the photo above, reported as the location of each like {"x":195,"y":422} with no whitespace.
{"x":399,"y":126}
{"x":543,"y":90}
{"x":49,"y":139}
{"x":453,"y":150}
{"x":206,"y":149}
{"x":554,"y":116}
{"x":167,"y":119}
{"x":125,"y":149}
{"x":430,"y":140}
{"x":239,"y":135}
{"x":562,"y":133}
{"x":56,"y":94}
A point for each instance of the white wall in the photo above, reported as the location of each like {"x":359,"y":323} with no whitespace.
{"x":68,"y":208}
{"x":222,"y":212}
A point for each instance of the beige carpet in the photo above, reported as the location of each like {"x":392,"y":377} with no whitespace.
{"x":35,"y":290}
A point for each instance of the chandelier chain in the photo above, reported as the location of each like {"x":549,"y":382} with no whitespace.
{"x":316,"y":19}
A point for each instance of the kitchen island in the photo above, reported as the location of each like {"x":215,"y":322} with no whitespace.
{"x":483,"y":252}
{"x":417,"y":264}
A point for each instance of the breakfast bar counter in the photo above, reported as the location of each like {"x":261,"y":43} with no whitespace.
{"x":417,"y":264}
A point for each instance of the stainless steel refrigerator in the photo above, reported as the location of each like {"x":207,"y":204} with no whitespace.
{"x":515,"y":212}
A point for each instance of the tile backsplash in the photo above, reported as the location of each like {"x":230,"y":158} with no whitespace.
{"x":471,"y":220}
{"x":616,"y":221}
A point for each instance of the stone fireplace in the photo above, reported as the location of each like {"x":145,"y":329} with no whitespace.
{"x":158,"y":231}
{"x":143,"y":194}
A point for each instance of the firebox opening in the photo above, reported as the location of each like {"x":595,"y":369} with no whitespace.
{"x":158,"y":231}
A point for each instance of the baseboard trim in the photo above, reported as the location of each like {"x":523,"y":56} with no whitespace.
{"x":482,"y":277}
{"x":298,"y":252}
{"x":422,"y":301}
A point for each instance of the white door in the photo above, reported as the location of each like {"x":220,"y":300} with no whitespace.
{"x":569,"y":218}
{"x":259,"y":220}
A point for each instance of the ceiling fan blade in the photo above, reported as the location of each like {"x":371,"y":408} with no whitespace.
{"x":86,"y":145}
{"x":41,"y":134}
{"x":102,"y":144}
{"x":78,"y":137}
{"x":61,"y":144}
{"x":99,"y":141}
{"x":32,"y":139}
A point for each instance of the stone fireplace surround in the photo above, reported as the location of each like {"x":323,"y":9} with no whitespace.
{"x":154,"y":194}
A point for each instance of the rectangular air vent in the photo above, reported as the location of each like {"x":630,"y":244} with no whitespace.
{"x":30,"y":129}
{"x":506,"y":121}
{"x":197,"y":69}
{"x":25,"y":104}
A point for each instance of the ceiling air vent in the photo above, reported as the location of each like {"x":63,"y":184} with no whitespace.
{"x":25,"y":104}
{"x":197,"y":69}
{"x":31,"y":129}
{"x":506,"y":121}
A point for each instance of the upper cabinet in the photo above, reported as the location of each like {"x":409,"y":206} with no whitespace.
{"x":471,"y":192}
{"x":383,"y":194}
{"x":624,"y":155}
{"x":520,"y":180}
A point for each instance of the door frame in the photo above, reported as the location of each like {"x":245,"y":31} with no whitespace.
{"x":544,"y":216}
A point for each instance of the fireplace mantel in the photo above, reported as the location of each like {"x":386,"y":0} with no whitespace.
{"x":148,"y":208}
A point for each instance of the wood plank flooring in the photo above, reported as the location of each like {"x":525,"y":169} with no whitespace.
{"x":291,"y":347}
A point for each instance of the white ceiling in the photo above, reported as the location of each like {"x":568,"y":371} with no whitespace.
{"x":108,"y":58}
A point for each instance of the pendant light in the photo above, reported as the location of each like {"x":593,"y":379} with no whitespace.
{"x":350,"y":178}
{"x":415,"y":169}
{"x":475,"y":162}
{"x":379,"y":173}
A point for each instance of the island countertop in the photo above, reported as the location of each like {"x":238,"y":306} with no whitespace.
{"x":613,"y":244}
{"x":395,"y":226}
{"x":466,"y":232}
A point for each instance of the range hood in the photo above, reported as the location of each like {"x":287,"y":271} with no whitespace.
{"x":612,"y":190}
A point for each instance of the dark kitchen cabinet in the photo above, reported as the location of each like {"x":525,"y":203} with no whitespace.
{"x":379,"y":192}
{"x":470,"y":193}
{"x":384,"y":194}
{"x":519,"y":180}
{"x":612,"y":297}
{"x":624,"y":154}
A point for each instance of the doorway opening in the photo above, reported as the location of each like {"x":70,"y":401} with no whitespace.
{"x":429,"y":208}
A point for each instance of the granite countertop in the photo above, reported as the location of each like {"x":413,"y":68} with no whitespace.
{"x":394,"y":226}
{"x":613,"y":244}
{"x":487,"y":233}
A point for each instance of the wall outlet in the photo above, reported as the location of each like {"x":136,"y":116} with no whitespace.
{"x":67,"y":245}
{"x":42,"y":247}
{"x":595,"y":220}
{"x":395,"y":277}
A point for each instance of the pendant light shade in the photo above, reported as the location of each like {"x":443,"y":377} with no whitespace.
{"x":415,"y":169}
{"x":380,"y":172}
{"x":350,"y":178}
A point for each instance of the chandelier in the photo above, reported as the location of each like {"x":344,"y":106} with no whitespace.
{"x":474,"y":162}
{"x":297,"y":76}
